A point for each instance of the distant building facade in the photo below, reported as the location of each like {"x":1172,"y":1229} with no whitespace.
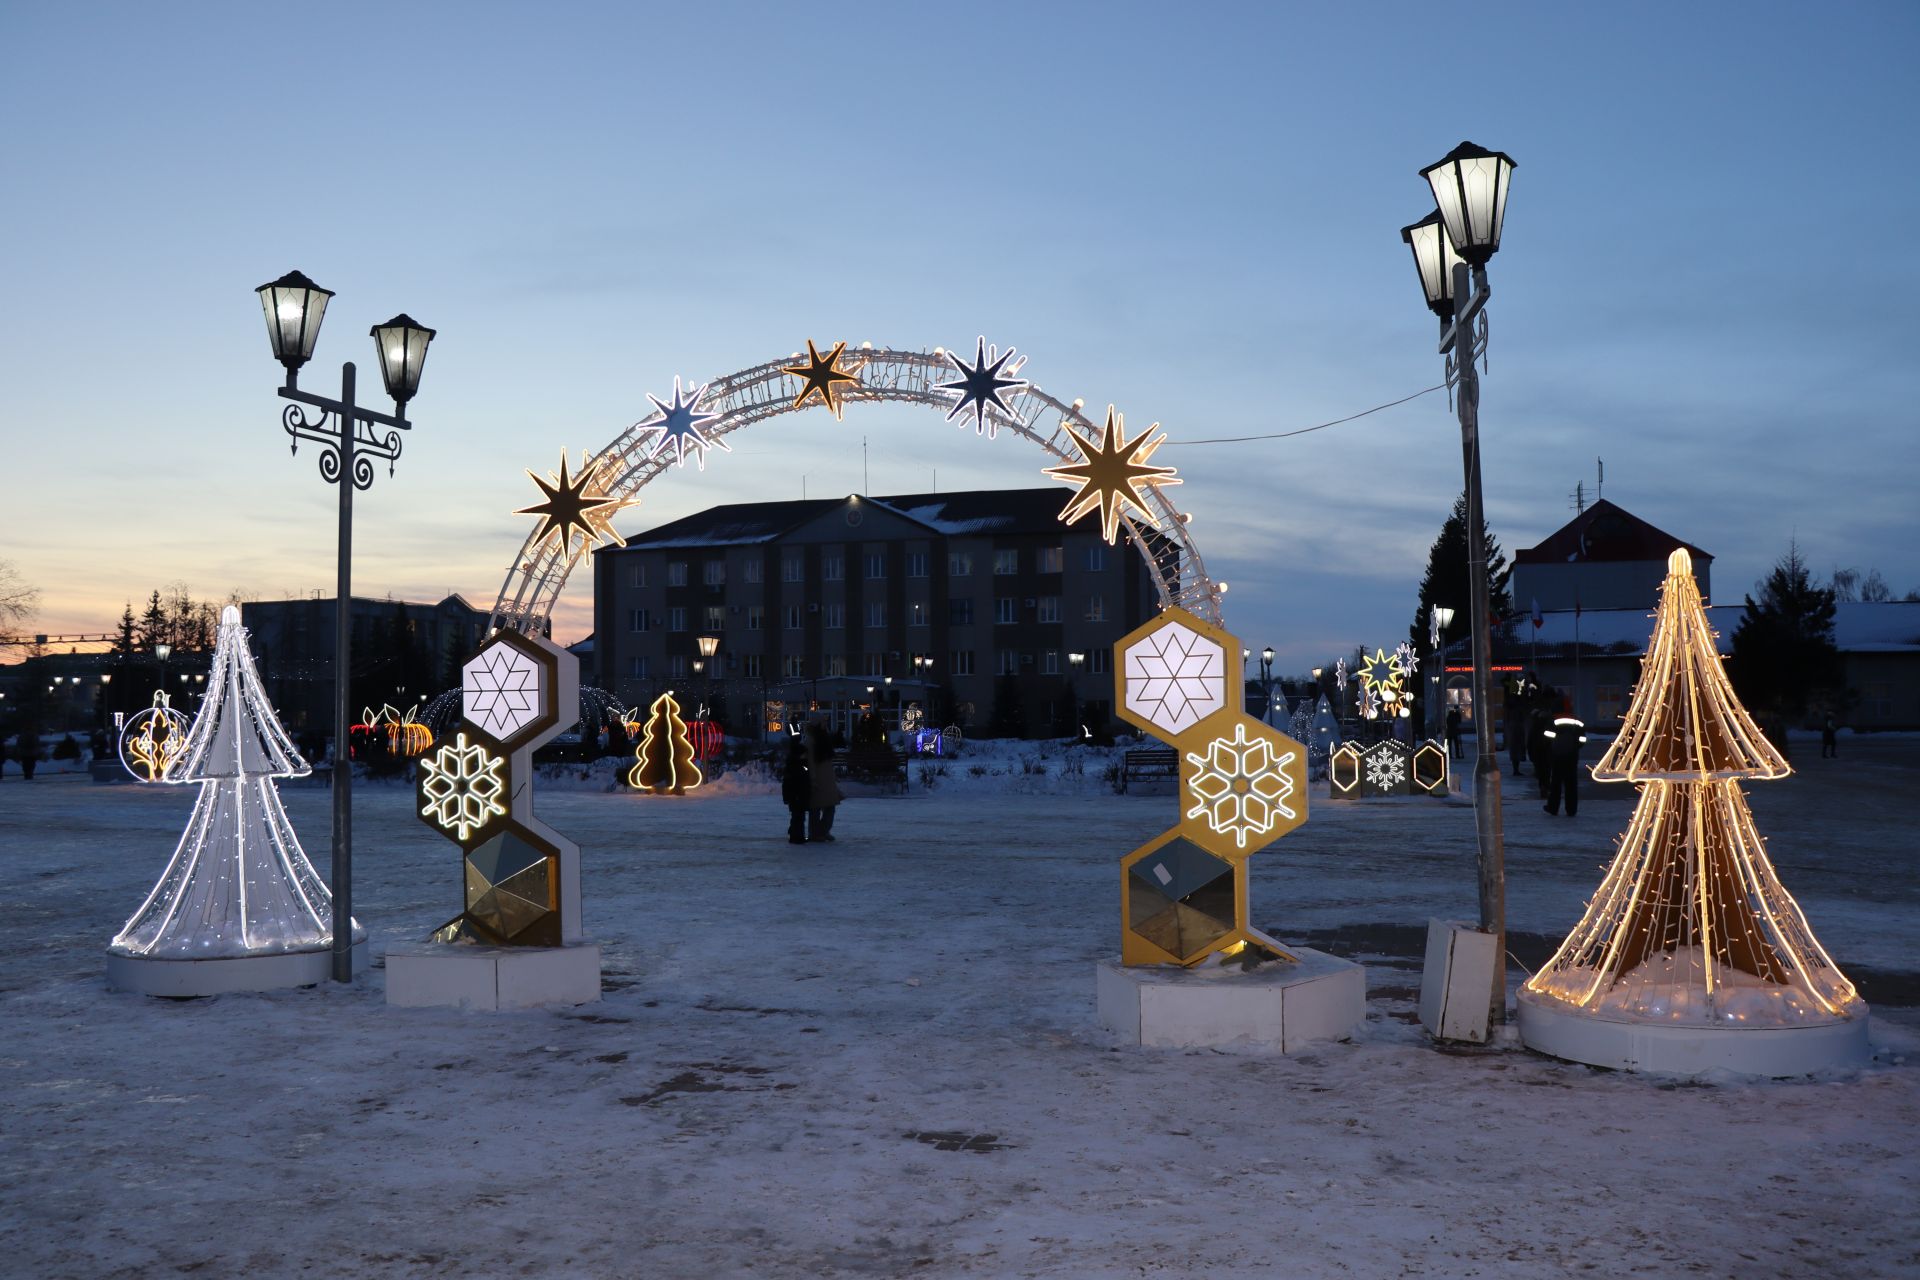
{"x":1604,"y":558}
{"x":293,"y":647}
{"x":944,"y":605}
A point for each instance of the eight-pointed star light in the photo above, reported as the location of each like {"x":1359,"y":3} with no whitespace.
{"x":981,"y":386}
{"x":1113,"y":473}
{"x":678,"y":424}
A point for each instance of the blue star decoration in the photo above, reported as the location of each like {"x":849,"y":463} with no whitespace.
{"x":678,"y":425}
{"x":982,"y":385}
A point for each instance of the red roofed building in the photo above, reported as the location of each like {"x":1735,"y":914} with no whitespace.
{"x":1604,"y":558}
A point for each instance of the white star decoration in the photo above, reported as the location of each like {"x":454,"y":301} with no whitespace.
{"x":1241,"y":785}
{"x":1175,"y":678}
{"x":501,"y":688}
{"x":678,"y":426}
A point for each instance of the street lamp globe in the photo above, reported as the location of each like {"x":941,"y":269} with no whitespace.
{"x":402,"y":346}
{"x":294,"y":307}
{"x":1443,"y":616}
{"x":709,"y":645}
{"x":1266,"y":655}
{"x":162,"y":651}
{"x":1433,"y":258}
{"x":1470,"y":187}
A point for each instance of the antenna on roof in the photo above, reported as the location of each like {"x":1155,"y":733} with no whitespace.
{"x":1579,"y":498}
{"x":1601,"y":487}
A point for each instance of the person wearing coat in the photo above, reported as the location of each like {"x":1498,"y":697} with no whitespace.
{"x":1453,"y":732}
{"x":1539,"y":745}
{"x":796,"y":790}
{"x":823,"y":788}
{"x":1564,"y":737}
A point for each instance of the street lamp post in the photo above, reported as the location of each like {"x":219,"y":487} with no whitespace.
{"x":1266,"y":680}
{"x":294,"y":307}
{"x":1439,"y":618}
{"x":1451,"y":249}
{"x":709,"y":647}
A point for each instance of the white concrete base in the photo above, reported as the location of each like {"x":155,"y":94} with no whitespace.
{"x":457,"y":975}
{"x":1279,"y":1006}
{"x":185,"y":978}
{"x":1552,"y":1027}
{"x":1456,"y":985}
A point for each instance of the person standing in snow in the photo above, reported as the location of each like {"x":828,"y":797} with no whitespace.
{"x":1453,"y":733}
{"x":1829,"y":739}
{"x":823,"y":789}
{"x":1563,"y":738}
{"x":27,"y":745}
{"x":1539,"y":748}
{"x":796,"y":790}
{"x":1519,"y":698}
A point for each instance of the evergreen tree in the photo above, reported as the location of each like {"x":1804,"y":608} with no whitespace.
{"x":1783,"y":650}
{"x":1009,"y":709}
{"x":666,"y":764}
{"x":1446,"y":583}
{"x":153,"y":624}
{"x":128,"y":639}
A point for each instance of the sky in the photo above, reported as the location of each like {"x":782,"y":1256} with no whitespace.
{"x":1191,"y":212}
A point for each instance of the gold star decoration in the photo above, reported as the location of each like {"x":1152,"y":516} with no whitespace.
{"x":821,"y":376}
{"x":576,"y":503}
{"x":1113,"y":473}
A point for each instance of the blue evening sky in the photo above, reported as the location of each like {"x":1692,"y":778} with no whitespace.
{"x":1191,"y":211}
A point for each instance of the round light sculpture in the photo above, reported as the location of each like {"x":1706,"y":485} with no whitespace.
{"x":1433,"y":257}
{"x":401,"y":344}
{"x":294,"y":307}
{"x":1470,"y":187}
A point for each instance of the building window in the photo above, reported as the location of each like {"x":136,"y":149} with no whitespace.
{"x":638,"y":620}
{"x":959,"y":564}
{"x":916,"y":564}
{"x":793,"y":617}
{"x":1053,"y":559}
{"x":1049,"y":608}
{"x":960,"y":613}
{"x":750,"y":666}
{"x":917,"y":613}
{"x":756,"y":616}
{"x":714,"y":573}
{"x":637,"y":667}
{"x":677,"y":573}
{"x":836,"y":616}
{"x":639,"y":575}
{"x":1050,"y":663}
{"x":1096,"y":608}
{"x":871,"y":665}
{"x":1096,"y":557}
{"x":716,"y":617}
{"x":1006,"y":610}
{"x":679,"y":666}
{"x":752,"y":572}
{"x":836,"y":664}
{"x":1877,"y":699}
{"x":1008,"y":662}
{"x":876,"y":613}
{"x":1006,"y":560}
{"x":833,"y":566}
{"x":793,"y":567}
{"x":1097,"y":661}
{"x":876,"y":564}
{"x":676,"y":619}
{"x":962,"y":662}
{"x":792,"y":664}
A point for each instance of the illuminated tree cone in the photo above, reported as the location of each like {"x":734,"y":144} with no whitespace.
{"x":666,"y":764}
{"x":239,"y":885}
{"x":1691,"y":926}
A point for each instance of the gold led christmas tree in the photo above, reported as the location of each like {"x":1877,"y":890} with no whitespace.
{"x":666,"y":763}
{"x":1691,"y":926}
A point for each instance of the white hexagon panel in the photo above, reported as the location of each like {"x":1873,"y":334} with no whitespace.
{"x":1175,"y":669}
{"x":508,"y":689}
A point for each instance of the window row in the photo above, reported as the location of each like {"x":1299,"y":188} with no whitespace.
{"x":873,"y":614}
{"x":833,"y":565}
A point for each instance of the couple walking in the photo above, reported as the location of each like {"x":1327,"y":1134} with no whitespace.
{"x":809,"y":788}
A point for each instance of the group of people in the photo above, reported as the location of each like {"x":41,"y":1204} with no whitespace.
{"x":1543,"y":731}
{"x":808,"y":787}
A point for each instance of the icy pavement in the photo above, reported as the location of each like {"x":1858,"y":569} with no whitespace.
{"x":880,"y":1057}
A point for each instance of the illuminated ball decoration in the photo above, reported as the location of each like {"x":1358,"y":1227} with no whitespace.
{"x":152,"y":738}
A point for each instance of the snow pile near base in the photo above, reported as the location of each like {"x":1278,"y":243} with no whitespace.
{"x":1671,"y":989}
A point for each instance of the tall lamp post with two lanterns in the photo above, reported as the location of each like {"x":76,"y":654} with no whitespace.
{"x":348,"y":434}
{"x":1451,"y":248}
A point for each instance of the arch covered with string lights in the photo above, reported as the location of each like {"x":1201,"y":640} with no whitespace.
{"x":638,"y":456}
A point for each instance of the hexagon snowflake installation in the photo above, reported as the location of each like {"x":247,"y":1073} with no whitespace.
{"x":1175,"y":678}
{"x":1241,"y":784}
{"x":1386,"y":770}
{"x":463,"y":786}
{"x":501,"y":688}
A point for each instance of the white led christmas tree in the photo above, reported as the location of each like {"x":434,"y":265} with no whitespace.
{"x":239,"y":885}
{"x":1691,"y":927}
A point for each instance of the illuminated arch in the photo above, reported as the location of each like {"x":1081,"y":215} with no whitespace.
{"x":539,"y":572}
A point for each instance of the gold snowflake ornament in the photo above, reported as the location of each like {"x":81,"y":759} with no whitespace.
{"x":1242,"y":786}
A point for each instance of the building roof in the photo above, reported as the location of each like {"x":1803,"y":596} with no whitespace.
{"x":1605,"y":532}
{"x":1889,"y":626}
{"x":977,"y":511}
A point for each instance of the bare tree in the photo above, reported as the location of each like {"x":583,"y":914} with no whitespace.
{"x":18,"y":600}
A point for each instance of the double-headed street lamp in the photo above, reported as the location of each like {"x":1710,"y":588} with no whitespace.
{"x":349,"y":437}
{"x":1451,"y":248}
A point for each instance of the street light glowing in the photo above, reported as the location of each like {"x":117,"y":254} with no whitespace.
{"x":1470,"y":187}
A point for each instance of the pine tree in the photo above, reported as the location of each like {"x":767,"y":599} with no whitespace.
{"x":238,"y":884}
{"x":1446,"y":582}
{"x":1783,"y":650}
{"x":125,"y":643}
{"x":1691,"y":926}
{"x":666,"y":764}
{"x":153,"y":624}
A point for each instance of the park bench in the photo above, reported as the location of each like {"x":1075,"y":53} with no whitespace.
{"x":1151,"y":766}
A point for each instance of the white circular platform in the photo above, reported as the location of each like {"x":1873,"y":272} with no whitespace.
{"x":1553,"y":1027}
{"x":184,"y":978}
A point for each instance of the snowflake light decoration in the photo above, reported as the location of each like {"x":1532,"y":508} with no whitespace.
{"x":981,"y":385}
{"x":1386,"y":770}
{"x":462,"y":785}
{"x":1174,"y":678}
{"x":501,"y":688}
{"x":678,"y":425}
{"x":1409,"y":660}
{"x":1340,"y":675}
{"x":1240,"y":785}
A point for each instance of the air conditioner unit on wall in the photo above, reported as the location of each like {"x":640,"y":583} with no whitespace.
{"x":813,"y":608}
{"x":1032,"y":603}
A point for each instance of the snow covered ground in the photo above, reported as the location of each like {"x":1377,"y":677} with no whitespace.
{"x":880,"y":1057}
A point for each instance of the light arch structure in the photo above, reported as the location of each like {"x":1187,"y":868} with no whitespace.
{"x":887,"y":376}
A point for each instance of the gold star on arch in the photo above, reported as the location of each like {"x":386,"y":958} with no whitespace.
{"x":576,"y":503}
{"x":822,"y":376}
{"x":1113,"y":473}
